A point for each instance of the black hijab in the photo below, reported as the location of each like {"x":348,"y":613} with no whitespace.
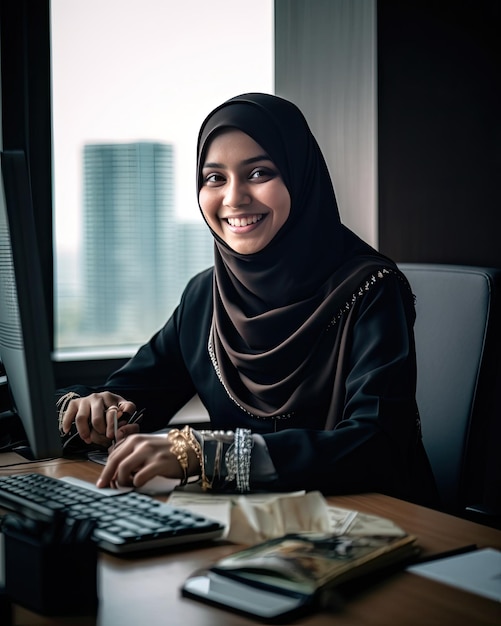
{"x":278,"y":313}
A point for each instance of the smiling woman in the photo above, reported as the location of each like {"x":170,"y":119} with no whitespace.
{"x":305,"y":362}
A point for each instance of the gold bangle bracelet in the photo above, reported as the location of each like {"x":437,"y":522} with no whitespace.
{"x":194,"y":444}
{"x":180,"y":451}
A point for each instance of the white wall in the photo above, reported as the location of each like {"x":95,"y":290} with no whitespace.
{"x":325,"y":62}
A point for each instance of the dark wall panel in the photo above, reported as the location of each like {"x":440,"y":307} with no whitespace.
{"x":438,"y":131}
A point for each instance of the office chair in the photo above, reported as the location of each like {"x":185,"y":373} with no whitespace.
{"x":458,"y":347}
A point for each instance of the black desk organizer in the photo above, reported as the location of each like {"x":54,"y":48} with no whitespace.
{"x":50,"y":567}
{"x":5,"y":608}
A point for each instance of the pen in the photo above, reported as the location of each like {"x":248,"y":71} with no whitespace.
{"x":445,"y":555}
{"x":136,"y":417}
{"x":133,"y":419}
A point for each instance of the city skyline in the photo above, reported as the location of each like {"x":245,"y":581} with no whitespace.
{"x":137,"y":255}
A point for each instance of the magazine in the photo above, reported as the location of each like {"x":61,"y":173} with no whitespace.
{"x":280,"y":576}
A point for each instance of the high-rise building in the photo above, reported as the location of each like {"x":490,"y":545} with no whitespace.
{"x":135,"y":254}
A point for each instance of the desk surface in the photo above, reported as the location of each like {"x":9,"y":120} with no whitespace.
{"x":145,"y":590}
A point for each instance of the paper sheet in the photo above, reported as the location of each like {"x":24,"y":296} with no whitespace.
{"x":225,"y":508}
{"x":253,"y":518}
{"x":478,"y":572}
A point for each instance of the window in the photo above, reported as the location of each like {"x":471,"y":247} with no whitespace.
{"x":132,"y":80}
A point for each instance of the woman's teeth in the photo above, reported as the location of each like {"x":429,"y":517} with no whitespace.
{"x":244,"y":221}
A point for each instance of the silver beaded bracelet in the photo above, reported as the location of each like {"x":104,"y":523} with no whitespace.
{"x":243,"y":449}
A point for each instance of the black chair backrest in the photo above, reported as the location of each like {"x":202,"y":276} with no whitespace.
{"x":458,"y":351}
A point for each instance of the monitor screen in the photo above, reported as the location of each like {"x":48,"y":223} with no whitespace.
{"x":24,"y":332}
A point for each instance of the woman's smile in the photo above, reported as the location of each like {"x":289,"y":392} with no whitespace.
{"x":244,"y":223}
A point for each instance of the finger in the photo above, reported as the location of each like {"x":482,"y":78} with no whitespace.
{"x":129,"y":466}
{"x":126,"y":408}
{"x":98,"y":406}
{"x":126,"y":430}
{"x":100,"y":440}
{"x":82,"y":422}
{"x":117,"y":409}
{"x":69,"y":415}
{"x":91,"y":415}
{"x":149,"y":471}
{"x":116,"y":456}
{"x":112,"y":422}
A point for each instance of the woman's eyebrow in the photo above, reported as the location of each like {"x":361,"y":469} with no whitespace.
{"x":260,"y":157}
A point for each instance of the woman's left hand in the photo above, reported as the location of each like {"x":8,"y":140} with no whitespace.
{"x":140,"y":457}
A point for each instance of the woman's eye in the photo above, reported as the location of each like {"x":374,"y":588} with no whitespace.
{"x":261,"y":173}
{"x":213,"y":178}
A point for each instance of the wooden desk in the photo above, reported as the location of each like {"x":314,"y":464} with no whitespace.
{"x":145,"y":591}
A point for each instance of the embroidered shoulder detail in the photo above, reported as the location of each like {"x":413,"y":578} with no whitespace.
{"x":363,"y":289}
{"x":217,"y":369}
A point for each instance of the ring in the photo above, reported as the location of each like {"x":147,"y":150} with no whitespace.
{"x":112,"y":407}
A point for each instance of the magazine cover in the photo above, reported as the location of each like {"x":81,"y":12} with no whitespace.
{"x":281,"y":577}
{"x":304,"y":563}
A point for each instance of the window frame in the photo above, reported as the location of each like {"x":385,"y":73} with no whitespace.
{"x":25,"y":55}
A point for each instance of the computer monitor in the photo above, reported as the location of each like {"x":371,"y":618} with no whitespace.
{"x":24,"y":333}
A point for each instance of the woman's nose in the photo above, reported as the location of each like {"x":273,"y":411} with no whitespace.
{"x":236,"y":194}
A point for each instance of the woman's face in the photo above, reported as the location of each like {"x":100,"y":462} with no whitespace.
{"x":243,"y":197}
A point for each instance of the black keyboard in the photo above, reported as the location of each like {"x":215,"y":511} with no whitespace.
{"x":125,"y":521}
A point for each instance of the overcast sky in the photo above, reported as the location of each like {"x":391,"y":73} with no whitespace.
{"x":131,"y":70}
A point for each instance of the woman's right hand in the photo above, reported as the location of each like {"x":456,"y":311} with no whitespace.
{"x":94,"y":418}
{"x":144,"y":456}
